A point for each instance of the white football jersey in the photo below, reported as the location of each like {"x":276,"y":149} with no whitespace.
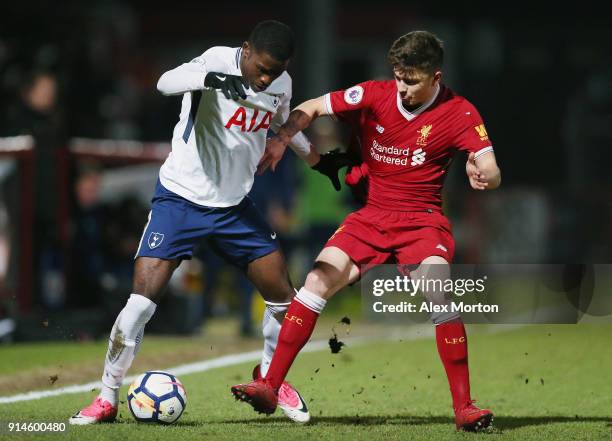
{"x":218,"y":142}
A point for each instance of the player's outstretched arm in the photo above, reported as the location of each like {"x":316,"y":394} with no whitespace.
{"x":299,"y":119}
{"x":483,"y":172}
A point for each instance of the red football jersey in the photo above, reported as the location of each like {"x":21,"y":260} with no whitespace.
{"x":408,"y":153}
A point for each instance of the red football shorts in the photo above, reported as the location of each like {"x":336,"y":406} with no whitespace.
{"x":371,"y":236}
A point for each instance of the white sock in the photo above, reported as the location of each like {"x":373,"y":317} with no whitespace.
{"x":274,"y":315}
{"x":310,"y":300}
{"x":109,"y":394}
{"x":124,"y":342}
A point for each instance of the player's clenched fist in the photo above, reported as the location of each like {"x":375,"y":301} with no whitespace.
{"x":232,"y":86}
{"x":478,"y":180}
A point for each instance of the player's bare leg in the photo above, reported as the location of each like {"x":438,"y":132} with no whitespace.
{"x":151,"y":275}
{"x":332,"y":271}
{"x":451,"y":340}
{"x":270,"y":276}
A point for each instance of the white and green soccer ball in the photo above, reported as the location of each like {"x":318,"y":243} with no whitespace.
{"x":157,"y":397}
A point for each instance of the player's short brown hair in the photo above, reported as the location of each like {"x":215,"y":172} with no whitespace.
{"x":420,"y":50}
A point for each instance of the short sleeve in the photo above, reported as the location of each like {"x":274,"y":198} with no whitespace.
{"x":472,"y":136}
{"x":354,"y":98}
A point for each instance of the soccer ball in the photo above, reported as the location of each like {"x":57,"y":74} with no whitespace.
{"x":157,"y":397}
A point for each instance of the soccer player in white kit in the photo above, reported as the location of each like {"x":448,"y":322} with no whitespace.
{"x":231,"y":98}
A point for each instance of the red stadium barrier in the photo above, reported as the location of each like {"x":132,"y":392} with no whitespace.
{"x":22,"y":150}
{"x":117,"y":151}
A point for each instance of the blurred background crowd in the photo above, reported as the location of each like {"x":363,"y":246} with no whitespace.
{"x":79,"y":77}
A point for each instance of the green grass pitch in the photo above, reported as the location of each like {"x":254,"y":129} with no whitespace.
{"x":542,"y":382}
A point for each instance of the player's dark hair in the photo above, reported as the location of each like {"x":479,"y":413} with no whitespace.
{"x":420,"y":50}
{"x":274,"y":38}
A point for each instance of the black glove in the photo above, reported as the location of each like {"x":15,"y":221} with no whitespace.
{"x":330,"y":163}
{"x":232,"y":86}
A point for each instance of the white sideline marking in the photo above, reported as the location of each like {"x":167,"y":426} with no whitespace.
{"x":184,"y":369}
{"x":415,"y":333}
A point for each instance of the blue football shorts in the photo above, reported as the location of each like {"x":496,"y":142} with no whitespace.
{"x":239,"y":234}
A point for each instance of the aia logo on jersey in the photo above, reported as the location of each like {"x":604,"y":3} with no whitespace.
{"x":424,"y":133}
{"x":252,"y":124}
{"x":353,"y":95}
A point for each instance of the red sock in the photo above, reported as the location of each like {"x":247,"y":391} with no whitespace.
{"x":452,"y":347}
{"x":296,"y":330}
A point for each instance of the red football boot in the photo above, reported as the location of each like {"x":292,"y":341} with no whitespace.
{"x":259,"y":394}
{"x":289,"y":400}
{"x":472,"y":419}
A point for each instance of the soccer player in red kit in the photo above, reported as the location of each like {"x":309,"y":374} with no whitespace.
{"x":410,"y":128}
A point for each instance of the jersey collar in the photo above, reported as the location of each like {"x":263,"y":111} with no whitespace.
{"x":237,"y":58}
{"x":412,"y":115}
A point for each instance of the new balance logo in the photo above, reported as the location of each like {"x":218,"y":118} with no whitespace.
{"x":418,"y":157}
{"x":379,"y":128}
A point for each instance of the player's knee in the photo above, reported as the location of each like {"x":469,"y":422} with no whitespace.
{"x":276,"y":289}
{"x":278,"y":294}
{"x":434,"y":260}
{"x":155,"y":295}
{"x":151,"y":277}
{"x":323,"y":280}
{"x":438,"y":318}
